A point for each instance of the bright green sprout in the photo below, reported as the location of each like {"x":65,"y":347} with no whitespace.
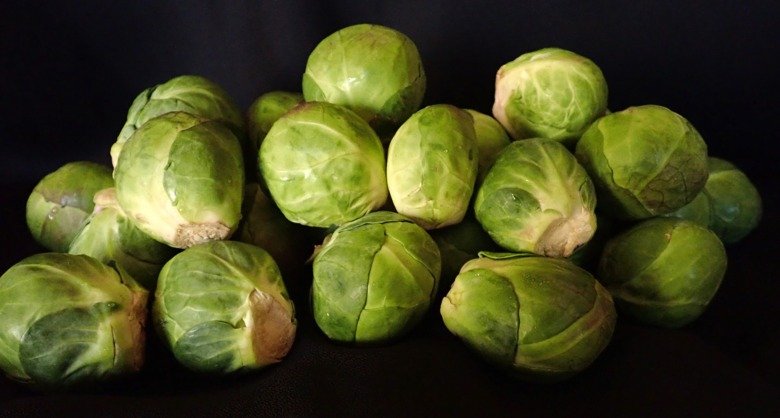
{"x":663,"y":271}
{"x":373,"y":70}
{"x":645,"y":161}
{"x":222,"y":307}
{"x":549,"y":93}
{"x":180,"y":179}
{"x":374,"y":279}
{"x":537,"y":198}
{"x":68,"y":320}
{"x":323,"y":165}
{"x":538,"y":318}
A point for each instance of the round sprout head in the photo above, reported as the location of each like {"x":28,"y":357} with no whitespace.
{"x":645,"y":161}
{"x":187,"y":93}
{"x":61,"y":202}
{"x":371,"y":69}
{"x":323,"y":165}
{"x":538,"y":318}
{"x":663,"y":271}
{"x":432,"y":166}
{"x":537,"y":198}
{"x":374,"y":279}
{"x":549,"y":93}
{"x":181,"y":180}
{"x":69,"y":319}
{"x":222,"y":308}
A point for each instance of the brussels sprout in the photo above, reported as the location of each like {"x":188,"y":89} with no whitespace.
{"x":323,"y":165}
{"x":491,"y":139}
{"x":69,"y":319}
{"x":729,"y":204}
{"x":645,"y":161}
{"x":222,"y":307}
{"x":111,"y":237}
{"x":266,"y":110}
{"x":61,"y":202}
{"x":374,"y":279}
{"x":537,"y":198}
{"x":549,"y":93}
{"x":263,"y":225}
{"x":186,"y":93}
{"x":458,"y":244}
{"x":181,"y":180}
{"x":373,"y":70}
{"x":663,"y":271}
{"x":538,"y":318}
{"x":432,"y":165}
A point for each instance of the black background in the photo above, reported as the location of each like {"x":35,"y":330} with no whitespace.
{"x":69,"y":70}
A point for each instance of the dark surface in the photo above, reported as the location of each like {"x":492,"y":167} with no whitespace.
{"x":68,"y":73}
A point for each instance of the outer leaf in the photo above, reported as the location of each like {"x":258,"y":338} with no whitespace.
{"x":482,"y":308}
{"x":212,"y":347}
{"x":67,"y":346}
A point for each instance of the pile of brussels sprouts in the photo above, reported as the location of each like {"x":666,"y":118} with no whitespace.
{"x":206,"y":209}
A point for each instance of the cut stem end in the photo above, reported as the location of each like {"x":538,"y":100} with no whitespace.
{"x":565,"y":235}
